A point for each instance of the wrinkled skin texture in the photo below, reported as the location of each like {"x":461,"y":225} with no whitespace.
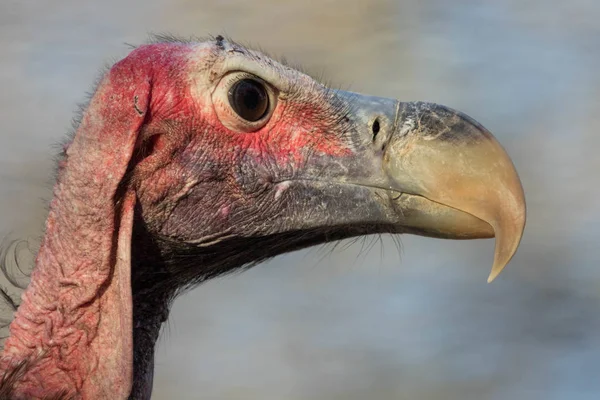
{"x":195,"y":181}
{"x":163,"y":186}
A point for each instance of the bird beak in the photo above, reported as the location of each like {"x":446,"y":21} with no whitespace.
{"x":453,"y":179}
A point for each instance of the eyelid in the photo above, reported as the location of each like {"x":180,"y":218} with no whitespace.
{"x":232,"y":77}
{"x":277,"y":76}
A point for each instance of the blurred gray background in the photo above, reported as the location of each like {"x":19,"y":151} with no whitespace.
{"x":365,"y":321}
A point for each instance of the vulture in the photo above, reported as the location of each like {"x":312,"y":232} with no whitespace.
{"x":193,"y":159}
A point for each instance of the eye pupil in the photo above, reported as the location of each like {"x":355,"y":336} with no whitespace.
{"x":249,"y":99}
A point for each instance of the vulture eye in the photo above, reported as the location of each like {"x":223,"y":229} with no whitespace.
{"x":244,"y":102}
{"x":249,"y":99}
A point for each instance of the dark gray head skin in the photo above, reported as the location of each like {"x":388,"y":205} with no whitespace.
{"x":193,"y":160}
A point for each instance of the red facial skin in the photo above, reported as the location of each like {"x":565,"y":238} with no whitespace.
{"x":75,"y":323}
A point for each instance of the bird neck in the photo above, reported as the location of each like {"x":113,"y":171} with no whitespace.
{"x":148,"y":317}
{"x":151,"y":303}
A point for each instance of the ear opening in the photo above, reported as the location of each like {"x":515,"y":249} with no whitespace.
{"x":147,"y":147}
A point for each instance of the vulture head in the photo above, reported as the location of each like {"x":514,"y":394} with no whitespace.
{"x":194,"y":159}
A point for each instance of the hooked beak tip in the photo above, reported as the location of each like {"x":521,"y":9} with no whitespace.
{"x":455,"y":162}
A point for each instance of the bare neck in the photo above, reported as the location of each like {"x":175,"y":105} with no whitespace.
{"x":60,"y":347}
{"x":58,"y":330}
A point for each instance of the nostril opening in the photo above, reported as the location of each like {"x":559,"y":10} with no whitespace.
{"x":375,"y":128}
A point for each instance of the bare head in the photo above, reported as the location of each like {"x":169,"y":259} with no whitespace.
{"x":195,"y":159}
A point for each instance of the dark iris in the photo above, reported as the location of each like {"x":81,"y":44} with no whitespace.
{"x":249,"y":99}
